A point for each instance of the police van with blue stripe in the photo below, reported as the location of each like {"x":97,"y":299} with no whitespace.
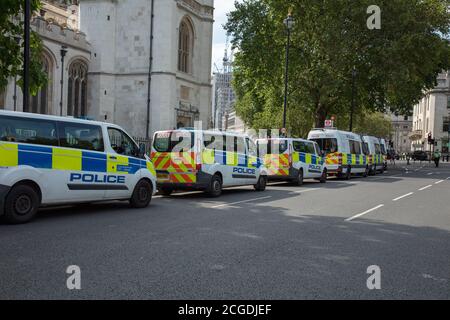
{"x":49,"y":160}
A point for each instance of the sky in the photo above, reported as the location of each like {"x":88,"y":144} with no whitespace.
{"x":222,"y":7}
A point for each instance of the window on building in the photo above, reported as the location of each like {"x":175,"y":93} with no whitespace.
{"x":40,"y":102}
{"x":185,"y":46}
{"x":446,"y":124}
{"x":77,"y":89}
{"x":448,"y":102}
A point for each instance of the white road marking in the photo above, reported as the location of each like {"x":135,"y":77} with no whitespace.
{"x":239,"y":202}
{"x":440,"y":181}
{"x":425,"y":188}
{"x":429,"y":173}
{"x":365,"y":212}
{"x":403,"y":196}
{"x":307,"y":190}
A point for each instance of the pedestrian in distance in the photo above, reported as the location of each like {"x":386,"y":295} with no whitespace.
{"x":437,"y":157}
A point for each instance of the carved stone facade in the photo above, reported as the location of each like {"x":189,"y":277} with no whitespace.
{"x":177,"y":90}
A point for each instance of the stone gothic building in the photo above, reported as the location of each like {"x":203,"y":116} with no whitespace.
{"x":142,"y":64}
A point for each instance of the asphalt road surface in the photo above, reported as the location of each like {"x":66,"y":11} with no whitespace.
{"x":309,"y":242}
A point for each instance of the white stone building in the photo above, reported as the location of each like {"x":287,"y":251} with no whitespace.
{"x":432,"y":116}
{"x":56,"y":25}
{"x":402,"y":126}
{"x":107,"y":72}
{"x":175,"y":89}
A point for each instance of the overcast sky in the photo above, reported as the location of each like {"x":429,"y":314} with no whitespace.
{"x":222,"y":7}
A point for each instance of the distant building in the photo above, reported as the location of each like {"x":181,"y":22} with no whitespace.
{"x":233,"y":123}
{"x":402,"y":126}
{"x":223,"y":97}
{"x":432,"y":116}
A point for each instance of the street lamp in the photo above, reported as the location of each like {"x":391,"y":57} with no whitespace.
{"x":289,"y":24}
{"x":15,"y":79}
{"x":353,"y":97}
{"x":26,"y":56}
{"x":63,"y":54}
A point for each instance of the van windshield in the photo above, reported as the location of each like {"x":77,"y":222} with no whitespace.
{"x":174,"y":141}
{"x":383,"y":149}
{"x":327,"y":145}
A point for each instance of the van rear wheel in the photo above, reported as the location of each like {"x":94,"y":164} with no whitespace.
{"x":142,"y":194}
{"x":323,"y":178}
{"x":215,"y":186}
{"x":299,"y":180}
{"x":21,"y":204}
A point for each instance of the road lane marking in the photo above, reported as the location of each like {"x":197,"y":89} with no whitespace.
{"x":307,"y":190}
{"x":429,"y":173}
{"x":403,"y":196}
{"x":365,"y":212}
{"x":425,"y":188}
{"x":239,"y":202}
{"x":440,"y":181}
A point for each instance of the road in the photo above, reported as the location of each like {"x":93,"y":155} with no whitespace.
{"x":309,"y":242}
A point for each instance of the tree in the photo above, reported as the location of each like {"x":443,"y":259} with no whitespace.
{"x":11,"y":46}
{"x":330,"y":37}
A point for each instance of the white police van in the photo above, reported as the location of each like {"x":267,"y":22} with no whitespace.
{"x":49,"y":160}
{"x":343,"y":151}
{"x":292,"y":159}
{"x":189,"y":159}
{"x":375,"y":155}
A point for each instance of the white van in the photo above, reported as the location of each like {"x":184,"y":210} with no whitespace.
{"x":188,"y":159}
{"x":343,"y":152}
{"x":375,"y":155}
{"x":292,"y":159}
{"x":384,"y":151}
{"x":49,"y":160}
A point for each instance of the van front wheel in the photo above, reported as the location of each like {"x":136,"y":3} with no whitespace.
{"x":262,"y":183}
{"x":142,"y":194}
{"x":21,"y":204}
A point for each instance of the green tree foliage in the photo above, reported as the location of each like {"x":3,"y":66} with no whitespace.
{"x":330,"y":38}
{"x":11,"y":46}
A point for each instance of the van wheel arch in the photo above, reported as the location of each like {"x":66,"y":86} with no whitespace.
{"x":31,"y":184}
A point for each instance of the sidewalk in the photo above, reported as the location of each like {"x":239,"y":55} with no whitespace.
{"x":418,"y":164}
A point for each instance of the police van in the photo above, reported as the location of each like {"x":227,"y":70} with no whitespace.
{"x":384,"y":149}
{"x":188,"y":159}
{"x":343,"y":152}
{"x":49,"y":160}
{"x":375,"y":159}
{"x":292,"y":159}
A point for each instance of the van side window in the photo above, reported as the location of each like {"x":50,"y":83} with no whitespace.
{"x":122,"y":144}
{"x":355,"y":147}
{"x":365,"y":147}
{"x":299,"y":146}
{"x":80,"y":136}
{"x":252,"y":149}
{"x":240,"y":145}
{"x":28,"y":130}
{"x":310,"y":148}
{"x":213,"y":141}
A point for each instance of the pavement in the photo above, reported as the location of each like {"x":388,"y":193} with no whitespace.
{"x":311,"y":242}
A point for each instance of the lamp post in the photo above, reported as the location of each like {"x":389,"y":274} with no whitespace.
{"x":26,"y":56}
{"x":289,"y":23}
{"x":15,"y":79}
{"x":63,"y":54}
{"x":353,"y":98}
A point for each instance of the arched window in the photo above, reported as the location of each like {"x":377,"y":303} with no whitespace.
{"x":77,"y":89}
{"x":185,"y":46}
{"x":40,"y":102}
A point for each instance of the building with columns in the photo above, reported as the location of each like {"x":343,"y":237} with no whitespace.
{"x":432,"y":116}
{"x":142,"y":64}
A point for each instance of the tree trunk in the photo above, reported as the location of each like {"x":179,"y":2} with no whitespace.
{"x":320,"y":116}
